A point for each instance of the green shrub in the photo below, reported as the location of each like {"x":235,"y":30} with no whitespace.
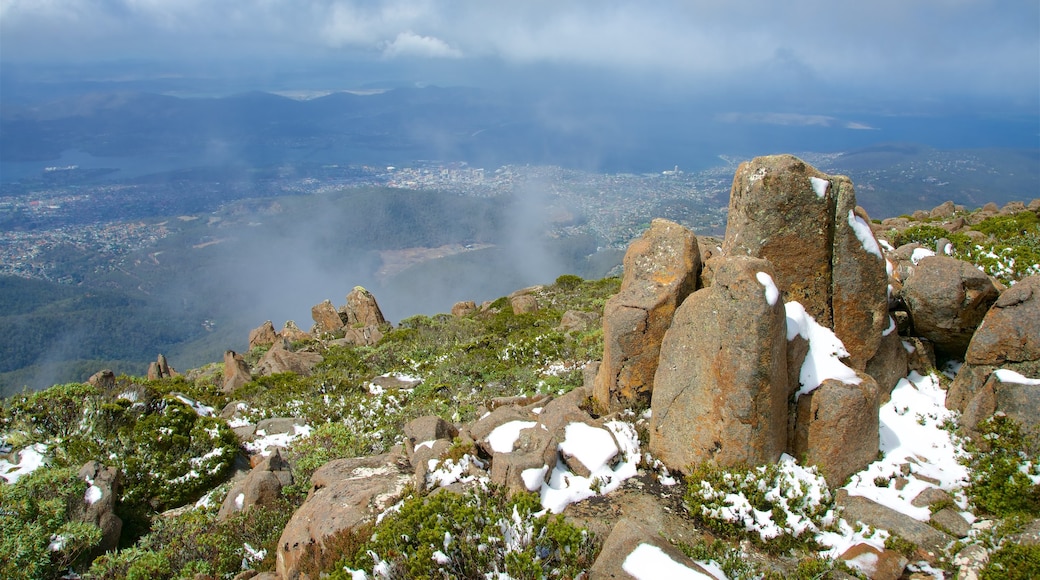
{"x":470,"y":535}
{"x":37,"y":538}
{"x":1000,"y":467}
{"x":329,"y":441}
{"x":1013,"y":562}
{"x":780,"y":506}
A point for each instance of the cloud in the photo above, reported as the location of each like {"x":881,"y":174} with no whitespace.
{"x":973,"y":46}
{"x":410,"y":44}
{"x":791,"y":120}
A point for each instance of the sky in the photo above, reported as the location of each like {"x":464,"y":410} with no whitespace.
{"x":920,"y":49}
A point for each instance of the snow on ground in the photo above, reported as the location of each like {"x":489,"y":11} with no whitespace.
{"x":565,"y":487}
{"x":29,"y":460}
{"x":912,"y":434}
{"x":648,"y":562}
{"x":263,"y":443}
{"x":920,"y":254}
{"x":200,"y":409}
{"x":825,"y":351}
{"x":505,"y":435}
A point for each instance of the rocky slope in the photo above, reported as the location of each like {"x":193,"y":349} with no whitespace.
{"x":814,"y":394}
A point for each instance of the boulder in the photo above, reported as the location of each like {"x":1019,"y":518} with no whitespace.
{"x":876,"y":564}
{"x":104,"y":380}
{"x":947,"y":299}
{"x":721,"y":395}
{"x":98,"y":508}
{"x":344,"y":494}
{"x":426,"y":430}
{"x":463,"y":308}
{"x":661,"y":270}
{"x":236,"y":371}
{"x":293,"y":333}
{"x":633,"y":549}
{"x":1007,"y":392}
{"x":327,"y":319}
{"x":1010,"y":331}
{"x":836,"y":428}
{"x":821,"y":245}
{"x":361,"y":309}
{"x":361,"y":336}
{"x":889,"y":364}
{"x":279,"y":359}
{"x":857,"y":508}
{"x":262,"y":486}
{"x":523,"y":304}
{"x":529,"y":464}
{"x":263,"y":335}
{"x":577,"y":321}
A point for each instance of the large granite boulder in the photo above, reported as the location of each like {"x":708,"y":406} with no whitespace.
{"x":661,"y":270}
{"x":721,"y":395}
{"x":99,"y":503}
{"x":825,"y":256}
{"x":344,"y":494}
{"x":947,"y":299}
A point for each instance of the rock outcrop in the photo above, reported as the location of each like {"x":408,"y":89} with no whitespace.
{"x":261,"y":487}
{"x":836,"y":427}
{"x":661,"y":270}
{"x":327,"y":319}
{"x":236,"y":371}
{"x":721,"y":395}
{"x":99,"y":503}
{"x":361,"y":309}
{"x":263,"y":335}
{"x":947,"y":299}
{"x":280,"y":359}
{"x":821,"y":246}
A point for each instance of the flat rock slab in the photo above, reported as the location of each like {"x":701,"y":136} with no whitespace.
{"x":861,"y":509}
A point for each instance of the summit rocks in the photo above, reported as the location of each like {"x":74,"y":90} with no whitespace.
{"x":661,"y":270}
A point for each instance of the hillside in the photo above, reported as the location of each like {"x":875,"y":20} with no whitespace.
{"x":517,"y":437}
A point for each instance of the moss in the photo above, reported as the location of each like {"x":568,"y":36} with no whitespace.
{"x":1000,"y":466}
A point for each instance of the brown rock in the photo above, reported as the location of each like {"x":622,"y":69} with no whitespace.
{"x":361,"y":309}
{"x":293,"y":333}
{"x":326,"y":319}
{"x":344,"y":494}
{"x":464,"y":308}
{"x":236,"y":371}
{"x":578,"y":321}
{"x":661,"y":270}
{"x":931,"y":496}
{"x":103,"y":379}
{"x":628,"y":535}
{"x":1010,"y":332}
{"x":876,"y":564}
{"x":262,"y":486}
{"x":1018,"y":398}
{"x":535,"y":448}
{"x":263,"y":335}
{"x":523,"y":304}
{"x":100,"y":502}
{"x":426,"y":429}
{"x":721,"y":395}
{"x":950,"y":520}
{"x":947,"y":299}
{"x":364,"y":336}
{"x":857,"y":508}
{"x":279,"y":359}
{"x":946,"y":209}
{"x":836,"y":428}
{"x":888,"y":365}
{"x":807,"y":225}
{"x":920,"y":354}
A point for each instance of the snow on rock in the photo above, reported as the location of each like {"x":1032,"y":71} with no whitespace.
{"x":823,"y":361}
{"x":592,"y":446}
{"x":819,"y":186}
{"x":200,"y":409}
{"x":505,"y":435}
{"x":772,"y":293}
{"x":648,"y":562}
{"x":565,"y":487}
{"x":93,"y":494}
{"x":29,"y":460}
{"x":912,"y":434}
{"x":866,"y":237}
{"x":263,"y":443}
{"x":920,"y":254}
{"x":1010,"y":376}
{"x":448,"y":471}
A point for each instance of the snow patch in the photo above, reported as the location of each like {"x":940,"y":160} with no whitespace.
{"x":772,"y":293}
{"x":866,"y":237}
{"x":29,"y":460}
{"x":648,"y":562}
{"x":505,"y":435}
{"x":920,"y":254}
{"x":93,"y":494}
{"x":592,"y":446}
{"x":565,"y":487}
{"x":823,"y":361}
{"x":1010,"y":376}
{"x":819,"y":186}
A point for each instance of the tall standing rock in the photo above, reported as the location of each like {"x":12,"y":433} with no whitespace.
{"x":720,"y":393}
{"x":807,"y":225}
{"x":661,"y":270}
{"x":362,"y":309}
{"x":263,"y":335}
{"x":236,"y":371}
{"x":326,"y":318}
